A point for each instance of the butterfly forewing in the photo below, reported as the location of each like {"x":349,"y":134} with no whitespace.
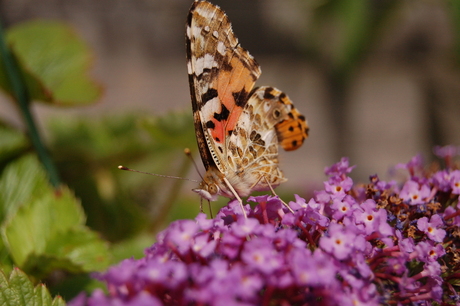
{"x":221,"y":75}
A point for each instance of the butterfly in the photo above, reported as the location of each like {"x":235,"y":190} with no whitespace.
{"x":238,"y":126}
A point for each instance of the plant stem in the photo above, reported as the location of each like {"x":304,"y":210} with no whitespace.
{"x":20,"y":93}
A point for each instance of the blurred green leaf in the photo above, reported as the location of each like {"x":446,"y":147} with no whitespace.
{"x":82,"y":247}
{"x":54,"y":62}
{"x":75,"y":251}
{"x":39,"y":220}
{"x":46,"y":230}
{"x":12,"y":142}
{"x":18,"y":290}
{"x":20,"y":182}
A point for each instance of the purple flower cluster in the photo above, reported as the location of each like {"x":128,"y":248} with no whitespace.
{"x":377,"y":244}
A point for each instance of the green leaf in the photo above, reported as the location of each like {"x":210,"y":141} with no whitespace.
{"x":20,"y":182}
{"x":18,"y":290}
{"x":82,"y":247}
{"x":54,"y":62}
{"x":35,"y":223}
{"x":42,"y":296}
{"x":8,"y":296}
{"x":12,"y":142}
{"x":58,"y":301}
{"x":46,"y":230}
{"x":76,"y":251}
{"x":19,"y":280}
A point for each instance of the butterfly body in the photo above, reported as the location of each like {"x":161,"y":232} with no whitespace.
{"x":238,"y":127}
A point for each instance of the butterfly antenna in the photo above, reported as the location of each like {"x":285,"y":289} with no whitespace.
{"x":189,"y":155}
{"x":154,"y":174}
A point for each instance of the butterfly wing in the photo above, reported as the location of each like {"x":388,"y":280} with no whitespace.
{"x":221,"y":76}
{"x":269,"y":118}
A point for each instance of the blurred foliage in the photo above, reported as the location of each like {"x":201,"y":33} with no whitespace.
{"x":343,"y":31}
{"x":338,"y":40}
{"x":120,"y":204}
{"x":53,"y":61}
{"x":12,"y":142}
{"x":342,"y":34}
{"x":45,"y":61}
{"x":43,"y":228}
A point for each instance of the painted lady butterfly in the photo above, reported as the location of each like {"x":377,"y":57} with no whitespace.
{"x":238,"y":127}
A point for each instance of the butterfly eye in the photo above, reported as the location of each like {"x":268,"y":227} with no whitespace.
{"x":276,"y":113}
{"x":213,"y":189}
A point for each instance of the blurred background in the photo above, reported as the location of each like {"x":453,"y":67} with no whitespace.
{"x":378,"y":80}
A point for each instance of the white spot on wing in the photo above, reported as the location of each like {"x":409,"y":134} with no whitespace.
{"x":205,"y":62}
{"x":221,"y":48}
{"x":189,"y":67}
{"x":215,"y":34}
{"x":205,"y":12}
{"x":206,"y":28}
{"x":211,"y":107}
{"x":196,"y":31}
{"x":189,"y":32}
{"x":266,"y":107}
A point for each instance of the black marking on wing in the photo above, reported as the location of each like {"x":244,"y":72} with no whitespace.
{"x":268,"y":93}
{"x":282,"y":97}
{"x":241,"y":97}
{"x":209,"y":95}
{"x":224,"y":113}
{"x":210,"y":125}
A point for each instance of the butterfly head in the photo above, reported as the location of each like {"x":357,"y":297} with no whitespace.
{"x":209,"y":187}
{"x":209,"y":192}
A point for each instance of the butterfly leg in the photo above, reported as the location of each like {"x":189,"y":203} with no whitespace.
{"x":236,"y":196}
{"x":274,"y":193}
{"x":210,"y":209}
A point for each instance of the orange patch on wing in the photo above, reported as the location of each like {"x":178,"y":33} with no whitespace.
{"x":293,"y":131}
{"x":218,"y":132}
{"x":230,"y":82}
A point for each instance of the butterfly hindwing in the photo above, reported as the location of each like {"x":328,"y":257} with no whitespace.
{"x":268,"y":118}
